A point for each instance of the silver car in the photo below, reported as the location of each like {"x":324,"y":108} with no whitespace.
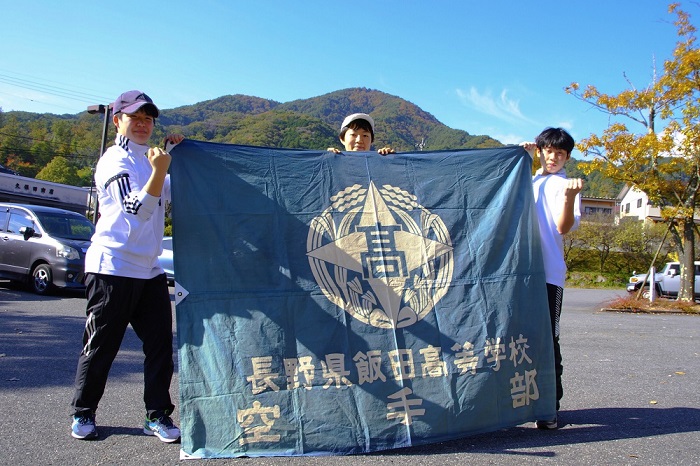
{"x":43,"y":247}
{"x":166,"y":259}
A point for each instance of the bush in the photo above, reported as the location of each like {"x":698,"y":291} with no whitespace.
{"x":577,"y":279}
{"x":631,"y":304}
{"x":617,"y":263}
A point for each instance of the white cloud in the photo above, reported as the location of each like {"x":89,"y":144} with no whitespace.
{"x":501,"y":107}
{"x":510,"y":138}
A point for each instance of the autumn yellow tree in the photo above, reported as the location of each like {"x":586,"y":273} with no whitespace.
{"x":661,"y":158}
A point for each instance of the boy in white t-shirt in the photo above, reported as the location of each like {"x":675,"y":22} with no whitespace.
{"x":558,"y":205}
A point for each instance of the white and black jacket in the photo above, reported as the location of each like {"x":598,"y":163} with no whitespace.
{"x":129,"y":232}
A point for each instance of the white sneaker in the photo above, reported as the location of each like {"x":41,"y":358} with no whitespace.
{"x":163,"y":428}
{"x":83,"y":427}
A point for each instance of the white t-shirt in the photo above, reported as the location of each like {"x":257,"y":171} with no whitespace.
{"x":129,"y":233}
{"x":549,"y":202}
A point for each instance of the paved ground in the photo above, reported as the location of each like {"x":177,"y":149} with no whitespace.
{"x":632,"y":385}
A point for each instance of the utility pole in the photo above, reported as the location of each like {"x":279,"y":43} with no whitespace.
{"x":105,"y":110}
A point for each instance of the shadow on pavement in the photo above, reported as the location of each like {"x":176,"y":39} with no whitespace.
{"x":42,"y":350}
{"x":105,"y":431}
{"x":576,"y":427}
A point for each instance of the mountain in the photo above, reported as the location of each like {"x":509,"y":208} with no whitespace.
{"x":314,"y":123}
{"x":30,"y":141}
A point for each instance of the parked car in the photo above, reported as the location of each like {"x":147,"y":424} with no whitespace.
{"x":667,"y":283}
{"x":43,"y":247}
{"x":166,"y":259}
{"x":636,"y":280}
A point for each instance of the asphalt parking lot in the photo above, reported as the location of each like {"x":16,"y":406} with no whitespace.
{"x":632,"y":395}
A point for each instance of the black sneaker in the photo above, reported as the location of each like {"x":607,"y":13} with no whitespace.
{"x":83,"y":426}
{"x":548,"y":425}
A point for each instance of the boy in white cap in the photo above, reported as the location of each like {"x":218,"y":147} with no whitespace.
{"x":124,"y":281}
{"x":357,"y":134}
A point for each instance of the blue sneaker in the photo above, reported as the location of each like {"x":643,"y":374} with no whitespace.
{"x":163,"y":428}
{"x":83,"y":426}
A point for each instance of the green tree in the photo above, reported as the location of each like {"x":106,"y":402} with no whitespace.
{"x":41,"y":149}
{"x":85,"y":176}
{"x":597,"y":233}
{"x":574,"y":247}
{"x":59,"y":170}
{"x":13,"y":142}
{"x":664,"y":162}
{"x":638,"y":243}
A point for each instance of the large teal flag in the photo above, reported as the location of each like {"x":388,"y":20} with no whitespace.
{"x":349,"y":303}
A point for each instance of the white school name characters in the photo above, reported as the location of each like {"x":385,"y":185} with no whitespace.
{"x":258,"y":421}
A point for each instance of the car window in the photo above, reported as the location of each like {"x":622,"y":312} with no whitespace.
{"x":18,"y":220}
{"x":697,"y":269}
{"x":67,"y":226}
{"x":81,"y":228}
{"x":676,"y":268}
{"x":3,"y":219}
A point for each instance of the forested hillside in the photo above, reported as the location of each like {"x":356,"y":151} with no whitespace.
{"x":313,"y":123}
{"x":64,"y":148}
{"x":595,"y":184}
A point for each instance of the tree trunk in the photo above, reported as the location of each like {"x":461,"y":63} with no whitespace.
{"x":687,"y":286}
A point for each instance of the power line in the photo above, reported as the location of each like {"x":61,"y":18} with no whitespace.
{"x":49,"y":87}
{"x":60,"y":89}
{"x":39,"y":101}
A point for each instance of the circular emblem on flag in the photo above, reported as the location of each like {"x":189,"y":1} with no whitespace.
{"x":380,"y":255}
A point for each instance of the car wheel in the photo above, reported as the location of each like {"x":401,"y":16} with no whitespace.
{"x":42,"y":279}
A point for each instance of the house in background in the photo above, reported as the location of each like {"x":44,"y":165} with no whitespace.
{"x":635,"y":204}
{"x":598,"y":208}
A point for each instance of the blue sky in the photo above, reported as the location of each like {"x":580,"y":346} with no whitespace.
{"x":486,"y":67}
